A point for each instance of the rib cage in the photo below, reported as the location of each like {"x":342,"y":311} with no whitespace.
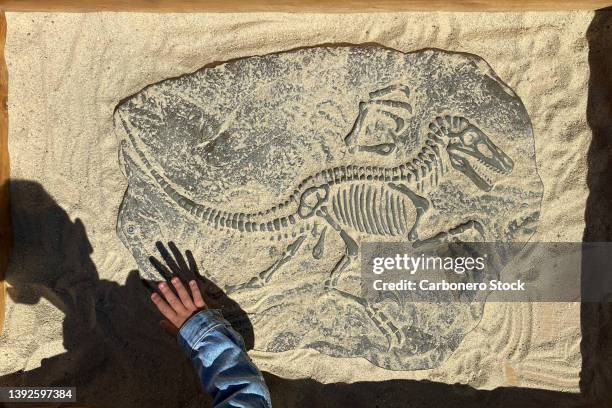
{"x":372,"y":209}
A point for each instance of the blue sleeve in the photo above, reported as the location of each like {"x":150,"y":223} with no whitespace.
{"x":225,"y":369}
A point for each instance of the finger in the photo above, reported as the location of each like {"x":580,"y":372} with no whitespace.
{"x":197,"y":295}
{"x":169,"y":328}
{"x":162,"y":269}
{"x":163,"y":307}
{"x":183,"y":295}
{"x":167,"y":258}
{"x":180,"y":260}
{"x":172,"y":300}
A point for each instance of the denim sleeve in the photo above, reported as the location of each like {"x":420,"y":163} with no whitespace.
{"x":225,"y":369}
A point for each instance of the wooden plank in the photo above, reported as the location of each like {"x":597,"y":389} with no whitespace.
{"x":298,"y":5}
{"x":5,"y":232}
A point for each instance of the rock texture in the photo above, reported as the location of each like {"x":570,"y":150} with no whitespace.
{"x":273,"y":169}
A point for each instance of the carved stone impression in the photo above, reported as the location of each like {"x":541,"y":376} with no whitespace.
{"x":274,"y":169}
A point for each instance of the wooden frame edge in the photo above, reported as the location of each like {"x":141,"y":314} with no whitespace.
{"x":5,"y":222}
{"x":161,"y":6}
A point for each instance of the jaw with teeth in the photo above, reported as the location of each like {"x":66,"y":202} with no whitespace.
{"x":475,"y":155}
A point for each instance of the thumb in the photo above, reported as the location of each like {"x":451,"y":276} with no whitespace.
{"x":169,"y":328}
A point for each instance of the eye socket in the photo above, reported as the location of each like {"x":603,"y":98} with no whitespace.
{"x":469,"y":137}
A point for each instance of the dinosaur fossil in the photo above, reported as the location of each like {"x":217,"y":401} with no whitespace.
{"x":331,"y":133}
{"x":356,"y":200}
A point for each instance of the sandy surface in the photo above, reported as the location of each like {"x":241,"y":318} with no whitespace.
{"x":69,"y":71}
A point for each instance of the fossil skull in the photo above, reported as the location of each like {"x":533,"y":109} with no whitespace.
{"x":475,"y":155}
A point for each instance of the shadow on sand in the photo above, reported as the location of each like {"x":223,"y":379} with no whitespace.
{"x":116,"y":354}
{"x":596,"y":318}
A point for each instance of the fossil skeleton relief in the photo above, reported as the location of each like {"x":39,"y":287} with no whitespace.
{"x":303,"y":155}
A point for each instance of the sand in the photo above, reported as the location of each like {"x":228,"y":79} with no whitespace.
{"x":69,"y":71}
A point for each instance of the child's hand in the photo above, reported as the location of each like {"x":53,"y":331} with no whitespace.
{"x":177,"y":310}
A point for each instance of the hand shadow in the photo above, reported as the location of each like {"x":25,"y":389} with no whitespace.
{"x":214,"y":296}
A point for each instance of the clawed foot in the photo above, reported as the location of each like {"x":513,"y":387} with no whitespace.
{"x":265,"y":276}
{"x":394,"y":336}
{"x":253,"y":283}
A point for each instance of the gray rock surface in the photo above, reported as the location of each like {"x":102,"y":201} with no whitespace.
{"x":273,"y":169}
